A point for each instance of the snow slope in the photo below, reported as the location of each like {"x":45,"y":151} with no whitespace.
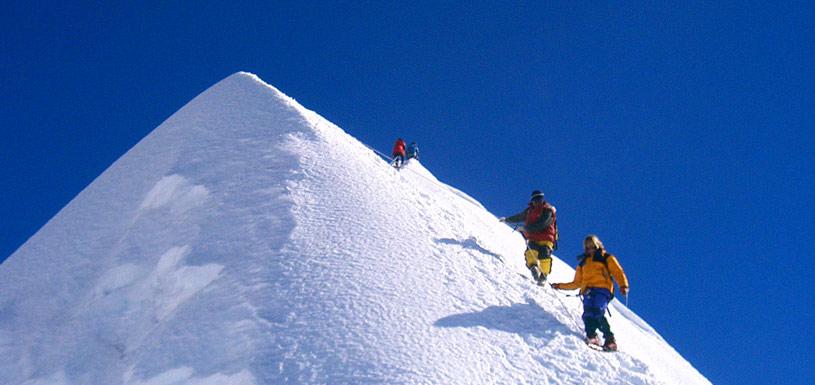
{"x":248,"y":240}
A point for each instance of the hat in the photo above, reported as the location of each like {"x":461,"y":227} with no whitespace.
{"x":536,"y":195}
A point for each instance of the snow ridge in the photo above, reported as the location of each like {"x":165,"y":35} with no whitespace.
{"x":247,"y":240}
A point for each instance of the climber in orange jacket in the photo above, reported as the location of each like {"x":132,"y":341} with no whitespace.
{"x":593,"y":277}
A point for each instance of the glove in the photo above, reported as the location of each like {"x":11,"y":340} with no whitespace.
{"x":624,"y":291}
{"x":556,"y":286}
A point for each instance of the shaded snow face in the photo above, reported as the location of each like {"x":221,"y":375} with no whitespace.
{"x":175,"y":190}
{"x":162,"y":290}
{"x":250,"y":241}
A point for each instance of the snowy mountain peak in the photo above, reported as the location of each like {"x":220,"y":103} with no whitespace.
{"x":247,"y":240}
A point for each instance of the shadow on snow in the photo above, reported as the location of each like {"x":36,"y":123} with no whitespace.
{"x":470,"y":243}
{"x":524,"y":319}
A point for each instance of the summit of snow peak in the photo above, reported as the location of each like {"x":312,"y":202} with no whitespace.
{"x":247,"y":240}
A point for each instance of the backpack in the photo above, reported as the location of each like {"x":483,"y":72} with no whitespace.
{"x":603,"y":258}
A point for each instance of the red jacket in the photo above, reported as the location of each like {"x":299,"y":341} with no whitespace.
{"x":399,"y":148}
{"x":533,"y":216}
{"x":540,"y":222}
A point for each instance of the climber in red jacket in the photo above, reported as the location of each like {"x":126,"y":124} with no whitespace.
{"x":398,"y":153}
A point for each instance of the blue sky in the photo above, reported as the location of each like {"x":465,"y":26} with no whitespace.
{"x":680,"y":133}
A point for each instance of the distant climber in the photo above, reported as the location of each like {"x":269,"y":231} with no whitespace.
{"x":413,"y":151}
{"x":540,"y":231}
{"x":398,"y":153}
{"x":593,"y":276}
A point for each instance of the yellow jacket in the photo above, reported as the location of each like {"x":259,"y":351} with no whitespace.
{"x":593,"y":272}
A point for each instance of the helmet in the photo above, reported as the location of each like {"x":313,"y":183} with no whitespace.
{"x":536,"y":196}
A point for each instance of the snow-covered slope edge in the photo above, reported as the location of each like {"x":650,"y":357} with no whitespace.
{"x":248,"y":240}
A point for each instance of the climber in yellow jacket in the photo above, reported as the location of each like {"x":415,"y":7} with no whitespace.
{"x":593,"y":277}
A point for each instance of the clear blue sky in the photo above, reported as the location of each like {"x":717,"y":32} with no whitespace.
{"x":680,"y":133}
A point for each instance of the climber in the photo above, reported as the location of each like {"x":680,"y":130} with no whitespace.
{"x":593,"y":276}
{"x":413,"y":151}
{"x":540,"y":231}
{"x":398,"y":153}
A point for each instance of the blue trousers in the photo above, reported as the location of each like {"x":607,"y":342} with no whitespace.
{"x":595,"y":303}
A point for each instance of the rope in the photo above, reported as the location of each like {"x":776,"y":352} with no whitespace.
{"x":387,"y":158}
{"x":565,"y":309}
{"x":377,"y":152}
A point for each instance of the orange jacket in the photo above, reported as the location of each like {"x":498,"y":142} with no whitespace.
{"x":592,"y":272}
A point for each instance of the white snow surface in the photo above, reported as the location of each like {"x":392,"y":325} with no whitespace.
{"x":248,"y":240}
